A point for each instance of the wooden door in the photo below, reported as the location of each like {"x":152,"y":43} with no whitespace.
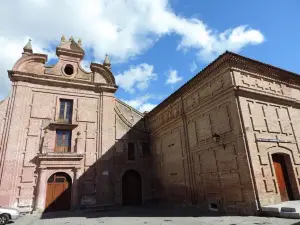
{"x":58,"y":192}
{"x":132,"y":188}
{"x":282,"y":177}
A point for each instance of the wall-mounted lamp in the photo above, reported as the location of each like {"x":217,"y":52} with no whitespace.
{"x":217,"y":138}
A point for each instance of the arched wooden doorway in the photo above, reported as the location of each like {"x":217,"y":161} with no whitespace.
{"x":132,"y":188}
{"x":58,"y":192}
{"x":284,"y":175}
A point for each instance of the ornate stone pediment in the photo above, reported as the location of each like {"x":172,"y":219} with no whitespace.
{"x":70,"y":46}
{"x":67,"y":72}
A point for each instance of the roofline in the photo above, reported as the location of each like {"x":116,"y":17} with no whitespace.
{"x":130,"y":107}
{"x":173,"y":96}
{"x":228,"y":59}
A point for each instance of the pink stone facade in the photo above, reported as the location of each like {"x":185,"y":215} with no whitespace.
{"x":101,"y":127}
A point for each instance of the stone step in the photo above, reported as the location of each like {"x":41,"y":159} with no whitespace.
{"x":288,"y":209}
{"x":292,"y":215}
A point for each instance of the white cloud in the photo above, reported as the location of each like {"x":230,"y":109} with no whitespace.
{"x":141,"y":103}
{"x":172,"y":77}
{"x":120,"y":28}
{"x":11,"y":50}
{"x":136,"y":77}
{"x":193,"y":66}
{"x":147,"y":107}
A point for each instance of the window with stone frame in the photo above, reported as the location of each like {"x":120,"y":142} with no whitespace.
{"x":63,"y":141}
{"x":145,"y":149}
{"x":65,"y":110}
{"x":131,"y":151}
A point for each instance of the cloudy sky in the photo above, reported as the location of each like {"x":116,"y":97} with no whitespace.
{"x":155,"y":45}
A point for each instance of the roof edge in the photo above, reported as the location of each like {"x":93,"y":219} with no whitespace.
{"x":229,"y":59}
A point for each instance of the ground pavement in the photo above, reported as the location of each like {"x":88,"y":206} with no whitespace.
{"x":146,"y":216}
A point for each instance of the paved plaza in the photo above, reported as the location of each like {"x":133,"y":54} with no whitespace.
{"x":132,"y":216}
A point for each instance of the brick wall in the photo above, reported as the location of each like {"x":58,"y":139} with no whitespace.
{"x":190,"y":166}
{"x":270,"y":111}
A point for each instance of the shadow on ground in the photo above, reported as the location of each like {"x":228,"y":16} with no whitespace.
{"x":167,"y":212}
{"x":148,"y":210}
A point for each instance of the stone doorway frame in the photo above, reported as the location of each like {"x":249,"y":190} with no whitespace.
{"x":68,"y":191}
{"x":290,"y":164}
{"x":44,"y":174}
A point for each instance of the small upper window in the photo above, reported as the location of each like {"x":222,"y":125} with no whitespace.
{"x":145,"y":149}
{"x":65,"y":111}
{"x":69,"y":69}
{"x":131,"y":151}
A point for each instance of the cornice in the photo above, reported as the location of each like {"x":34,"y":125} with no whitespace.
{"x":220,"y":63}
{"x":230,"y":60}
{"x":59,"y":81}
{"x":109,"y":77}
{"x":39,"y":58}
{"x":266,"y":97}
{"x":261,"y":76}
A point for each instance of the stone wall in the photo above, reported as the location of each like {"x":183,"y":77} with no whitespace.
{"x":270,"y":112}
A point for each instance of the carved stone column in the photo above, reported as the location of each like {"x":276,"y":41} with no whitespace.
{"x":41,"y":193}
{"x":75,"y":188}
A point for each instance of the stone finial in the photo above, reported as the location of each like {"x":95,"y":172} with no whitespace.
{"x":79,"y":41}
{"x":71,"y":38}
{"x":106,"y":62}
{"x":63,"y":38}
{"x":28,"y":48}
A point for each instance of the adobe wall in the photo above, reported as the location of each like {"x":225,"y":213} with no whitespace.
{"x":271,"y":111}
{"x":191,"y":165}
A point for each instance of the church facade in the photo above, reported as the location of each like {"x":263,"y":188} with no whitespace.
{"x":227,"y":140}
{"x":66,"y":141}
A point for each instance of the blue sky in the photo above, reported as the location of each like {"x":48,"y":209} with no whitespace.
{"x":151,"y":42}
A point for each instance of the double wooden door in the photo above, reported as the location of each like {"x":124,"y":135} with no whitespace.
{"x":58,"y":192}
{"x":282,"y":177}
